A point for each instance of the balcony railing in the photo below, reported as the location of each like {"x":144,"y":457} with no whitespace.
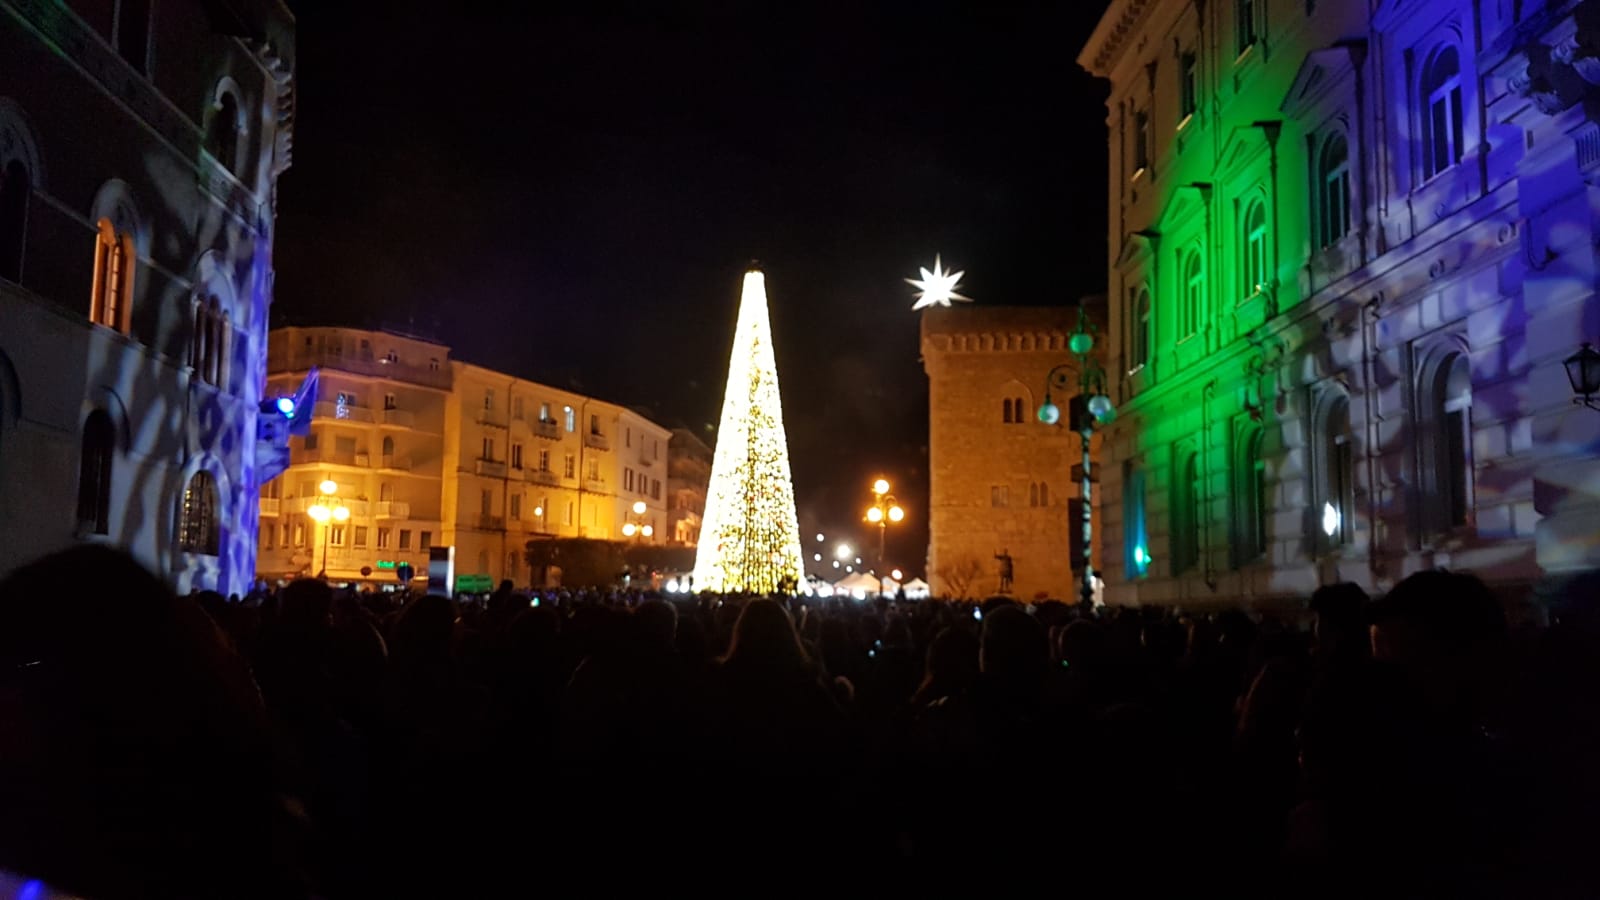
{"x":490,"y":468}
{"x":329,"y":456}
{"x":391,"y":461}
{"x":597,"y":441}
{"x":270,"y":505}
{"x":494,"y":417}
{"x":491,"y":523}
{"x":598,"y":485}
{"x":393,"y":509}
{"x":294,"y":505}
{"x":327,"y":409}
{"x":401,"y":418}
{"x":540,"y":476}
{"x":548,"y":429}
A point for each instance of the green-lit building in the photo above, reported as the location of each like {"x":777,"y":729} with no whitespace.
{"x":1351,"y":245}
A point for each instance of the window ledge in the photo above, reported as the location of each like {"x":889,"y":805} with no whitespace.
{"x":1184,"y":123}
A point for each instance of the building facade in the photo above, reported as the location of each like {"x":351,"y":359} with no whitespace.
{"x":429,"y":451}
{"x":1001,"y":483}
{"x":1351,"y":244}
{"x":140,"y":147}
{"x":688,"y":476}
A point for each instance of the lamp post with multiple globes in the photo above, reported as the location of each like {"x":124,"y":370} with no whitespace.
{"x":325,"y":511}
{"x":884,"y":509}
{"x":1090,"y":406}
{"x":640,"y":528}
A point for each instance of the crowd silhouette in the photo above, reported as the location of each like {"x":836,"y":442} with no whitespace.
{"x":320,"y":742}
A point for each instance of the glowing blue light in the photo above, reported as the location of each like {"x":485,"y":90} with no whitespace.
{"x":286,"y":406}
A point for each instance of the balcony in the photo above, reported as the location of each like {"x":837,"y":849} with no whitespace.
{"x":294,"y":505}
{"x":393,"y":509}
{"x":548,"y":428}
{"x":494,"y":417}
{"x":597,"y":441}
{"x":270,"y":506}
{"x":399,"y":418}
{"x":326,"y":409}
{"x":541,"y":476}
{"x":596,"y":485}
{"x":487,"y":522}
{"x":390,"y":461}
{"x":489,"y":468}
{"x":331,"y":457}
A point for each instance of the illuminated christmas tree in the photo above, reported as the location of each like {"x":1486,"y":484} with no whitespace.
{"x":750,"y":537}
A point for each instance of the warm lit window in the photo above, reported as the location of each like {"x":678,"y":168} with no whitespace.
{"x":572,"y":419}
{"x":336,"y":535}
{"x":198,"y":527}
{"x":383,"y":538}
{"x":113,"y":277}
{"x":1442,"y":129}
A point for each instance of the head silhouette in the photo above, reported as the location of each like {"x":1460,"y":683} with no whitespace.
{"x":764,"y":638}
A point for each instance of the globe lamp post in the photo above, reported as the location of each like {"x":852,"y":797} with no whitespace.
{"x":1090,"y":406}
{"x":884,"y":510}
{"x":325,"y":511}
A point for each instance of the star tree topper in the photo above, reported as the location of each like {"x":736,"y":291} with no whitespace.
{"x":938,"y":287}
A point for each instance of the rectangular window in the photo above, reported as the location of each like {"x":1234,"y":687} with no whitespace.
{"x":544,"y":460}
{"x":593,"y":470}
{"x":570,"y":467}
{"x":569,"y":512}
{"x":516,"y":408}
{"x":390,"y":401}
{"x":311,"y":440}
{"x":267,"y":534}
{"x":488,"y":448}
{"x":999,"y":496}
{"x":285,"y":535}
{"x":544,"y":413}
{"x":361,"y":535}
{"x":1141,"y":141}
{"x":336,"y":535}
{"x":627,"y":479}
{"x":486,"y":502}
{"x":488,"y":398}
{"x":594,"y":424}
{"x":425,"y":542}
{"x":1188,"y":85}
{"x":655,"y":489}
{"x":628,"y":434}
{"x":516,"y":456}
{"x":383,"y":538}
{"x":405,"y":539}
{"x":1248,"y":24}
{"x":344,"y":445}
{"x":572,"y":419}
{"x":516,"y":506}
{"x":299,"y":535}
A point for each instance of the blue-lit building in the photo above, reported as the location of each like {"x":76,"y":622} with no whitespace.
{"x":140,"y":147}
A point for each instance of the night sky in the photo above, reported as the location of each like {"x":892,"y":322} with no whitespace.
{"x":573,"y":196}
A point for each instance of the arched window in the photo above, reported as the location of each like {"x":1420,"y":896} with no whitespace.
{"x":1194,"y":287}
{"x":15,"y":189}
{"x":388,"y":452}
{"x":113,"y":277}
{"x":223,"y":139}
{"x":1016,"y":411}
{"x":1334,"y":474}
{"x":1044,"y":494}
{"x":1333,"y":190}
{"x":1139,"y":330}
{"x":1033,"y":493}
{"x":1185,"y":514}
{"x":1253,"y":234}
{"x":1135,"y":544}
{"x":198,"y":530}
{"x":1445,"y":430}
{"x":1005,"y":414}
{"x":1250,"y":498}
{"x":1440,"y":101}
{"x":94,"y":473}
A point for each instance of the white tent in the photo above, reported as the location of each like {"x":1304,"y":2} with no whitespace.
{"x":859,"y":585}
{"x":889,"y":586}
{"x":916,"y":589}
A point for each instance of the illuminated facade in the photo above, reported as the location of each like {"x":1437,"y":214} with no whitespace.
{"x":1351,"y":244}
{"x":1001,"y":483}
{"x":428,"y":451}
{"x":688,"y":475}
{"x":140,"y":147}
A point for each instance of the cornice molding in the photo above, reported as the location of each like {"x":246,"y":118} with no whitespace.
{"x":1105,"y":47}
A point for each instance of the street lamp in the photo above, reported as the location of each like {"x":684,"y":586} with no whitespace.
{"x":642,"y":529}
{"x":1583,"y":370}
{"x":1091,"y":406}
{"x":327,"y":510}
{"x":884,"y":509}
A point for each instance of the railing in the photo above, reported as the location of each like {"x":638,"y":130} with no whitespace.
{"x":378,"y":367}
{"x":390,"y":461}
{"x":541,"y":476}
{"x":490,"y":467}
{"x":597,"y":441}
{"x":364,"y":460}
{"x":494,"y":417}
{"x":393,"y":509}
{"x":270,"y":505}
{"x":301,"y":504}
{"x":548,"y":429}
{"x":598,"y":485}
{"x":326,"y":409}
{"x":399,"y":417}
{"x":491,"y":523}
{"x":330,"y":456}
